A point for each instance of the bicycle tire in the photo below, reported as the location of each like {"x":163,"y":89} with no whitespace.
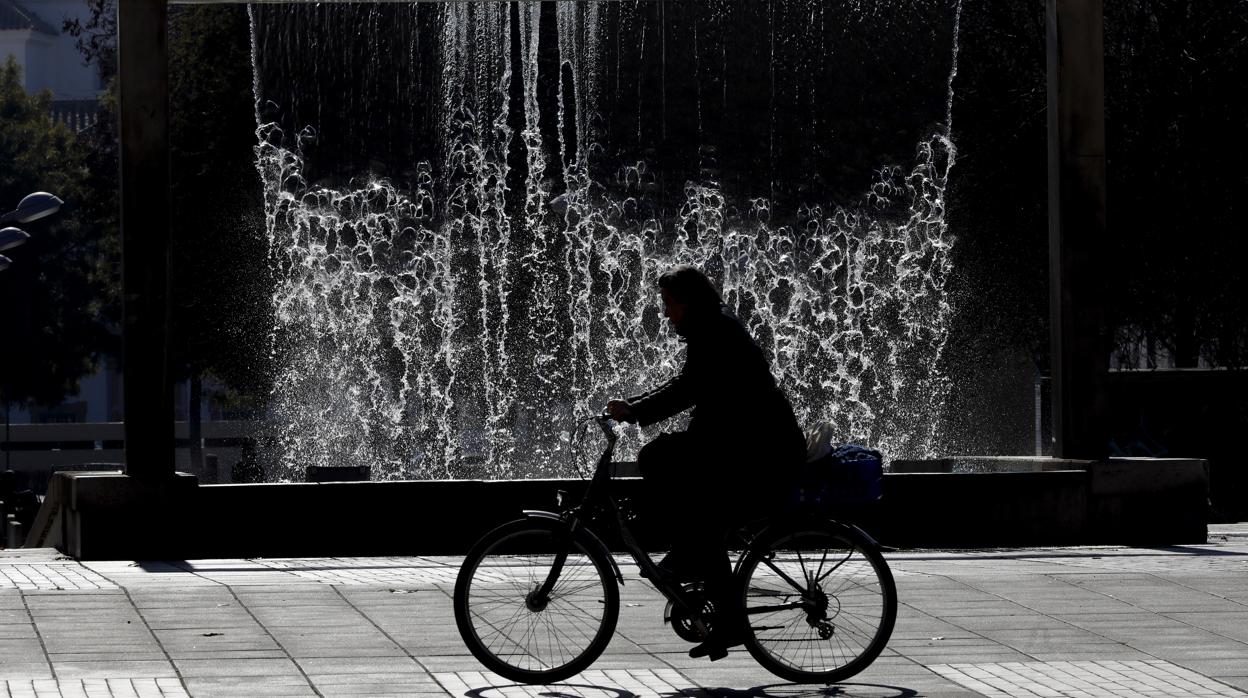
{"x":521,"y":643}
{"x":817,"y":644}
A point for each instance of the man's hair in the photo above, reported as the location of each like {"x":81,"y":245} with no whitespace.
{"x":691,"y":287}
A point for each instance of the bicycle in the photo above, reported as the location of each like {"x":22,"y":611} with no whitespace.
{"x":536,"y":599}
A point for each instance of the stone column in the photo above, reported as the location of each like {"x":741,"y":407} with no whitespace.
{"x":143,"y":105}
{"x":1076,"y":111}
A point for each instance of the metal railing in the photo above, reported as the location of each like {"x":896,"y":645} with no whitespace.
{"x":38,"y":450}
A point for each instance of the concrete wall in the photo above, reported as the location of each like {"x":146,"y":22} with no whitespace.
{"x":1136,"y":501}
{"x":1186,"y":413}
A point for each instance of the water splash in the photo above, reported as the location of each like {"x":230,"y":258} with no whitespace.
{"x":452,"y":326}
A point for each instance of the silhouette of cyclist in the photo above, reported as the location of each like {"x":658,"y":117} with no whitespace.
{"x":741,"y":440}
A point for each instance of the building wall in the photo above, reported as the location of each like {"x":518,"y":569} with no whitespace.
{"x":52,"y":62}
{"x":13,"y":43}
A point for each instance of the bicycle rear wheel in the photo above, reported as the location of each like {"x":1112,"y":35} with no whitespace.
{"x":525,"y":638}
{"x":820,"y":600}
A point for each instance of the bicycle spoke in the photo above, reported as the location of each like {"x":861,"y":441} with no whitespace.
{"x":836,"y":566}
{"x":834,"y":621}
{"x":535,"y":636}
{"x":784,"y":576}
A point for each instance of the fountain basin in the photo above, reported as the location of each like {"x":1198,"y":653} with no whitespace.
{"x":1140,"y":501}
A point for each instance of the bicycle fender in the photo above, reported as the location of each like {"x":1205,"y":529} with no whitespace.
{"x":865,"y":535}
{"x":589,"y":535}
{"x":781,"y":525}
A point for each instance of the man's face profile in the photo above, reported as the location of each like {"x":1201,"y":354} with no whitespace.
{"x":674,"y":310}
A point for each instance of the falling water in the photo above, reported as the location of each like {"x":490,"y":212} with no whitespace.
{"x":452,"y":321}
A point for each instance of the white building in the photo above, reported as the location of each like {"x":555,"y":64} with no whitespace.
{"x":31,"y":31}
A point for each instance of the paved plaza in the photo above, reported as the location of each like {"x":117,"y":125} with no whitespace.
{"x":1089,"y":621}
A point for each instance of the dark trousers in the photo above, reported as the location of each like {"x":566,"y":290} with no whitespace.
{"x":699,"y":494}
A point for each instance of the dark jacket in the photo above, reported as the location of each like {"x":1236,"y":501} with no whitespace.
{"x":737,"y":408}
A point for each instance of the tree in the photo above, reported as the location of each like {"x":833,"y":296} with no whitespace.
{"x":220,"y":287}
{"x":220,"y":270}
{"x":1175,"y":155}
{"x":52,"y":299}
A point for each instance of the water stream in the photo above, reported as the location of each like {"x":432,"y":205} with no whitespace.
{"x":450,"y":301}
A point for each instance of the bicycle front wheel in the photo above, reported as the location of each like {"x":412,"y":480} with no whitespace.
{"x":821,"y":602}
{"x":515,"y":631}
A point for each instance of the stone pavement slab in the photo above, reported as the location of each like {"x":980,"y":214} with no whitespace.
{"x":1080,"y":622}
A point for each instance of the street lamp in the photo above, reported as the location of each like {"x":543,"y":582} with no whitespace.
{"x":33,"y":207}
{"x":10,"y":238}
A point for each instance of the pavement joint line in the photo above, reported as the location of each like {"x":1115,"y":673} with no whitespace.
{"x":975,"y":633}
{"x":92,"y":687}
{"x":1202,"y":591}
{"x":274,"y":639}
{"x":155,"y":638}
{"x":1085,"y":677}
{"x":43,"y":645}
{"x":1092,"y":632}
{"x":1175,"y":592}
{"x":1164,"y":614}
{"x":48,"y":575}
{"x":381,"y":630}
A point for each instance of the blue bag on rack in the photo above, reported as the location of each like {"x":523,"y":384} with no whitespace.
{"x":839,"y":474}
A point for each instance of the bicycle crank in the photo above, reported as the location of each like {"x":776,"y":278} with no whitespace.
{"x":688,"y":626}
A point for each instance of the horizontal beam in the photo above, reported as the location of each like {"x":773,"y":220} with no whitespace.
{"x":115,"y":431}
{"x":375,"y":2}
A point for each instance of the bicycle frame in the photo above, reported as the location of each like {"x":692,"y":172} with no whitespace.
{"x":597,"y":501}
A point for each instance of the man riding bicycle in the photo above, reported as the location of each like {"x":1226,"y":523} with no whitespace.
{"x":741,"y":441}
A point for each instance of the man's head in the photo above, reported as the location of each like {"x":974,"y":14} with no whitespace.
{"x":686,"y":292}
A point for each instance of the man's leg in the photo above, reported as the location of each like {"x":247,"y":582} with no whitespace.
{"x":669,"y":468}
{"x":731,"y":492}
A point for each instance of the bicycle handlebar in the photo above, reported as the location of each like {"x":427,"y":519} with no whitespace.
{"x":606,"y":423}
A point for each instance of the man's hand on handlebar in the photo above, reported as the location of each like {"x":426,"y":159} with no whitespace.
{"x":620,"y":411}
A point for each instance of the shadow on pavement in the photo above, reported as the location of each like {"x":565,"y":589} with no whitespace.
{"x":797,"y":690}
{"x":782,"y":690}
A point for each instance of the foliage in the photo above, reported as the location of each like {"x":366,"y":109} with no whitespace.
{"x":1174,"y":217}
{"x":1174,"y":168}
{"x":219,"y":274}
{"x":1176,"y":153}
{"x":97,"y":39}
{"x":53,"y":294}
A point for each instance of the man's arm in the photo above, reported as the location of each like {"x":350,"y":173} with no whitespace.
{"x":670,"y":398}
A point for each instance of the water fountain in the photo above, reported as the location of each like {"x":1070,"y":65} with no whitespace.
{"x":467,"y":205}
{"x":467,"y":221}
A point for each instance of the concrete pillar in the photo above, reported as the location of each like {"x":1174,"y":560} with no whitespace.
{"x":143,"y":101}
{"x":1077,"y":237}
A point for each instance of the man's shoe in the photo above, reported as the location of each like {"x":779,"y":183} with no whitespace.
{"x":716,"y":647}
{"x":710,"y":649}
